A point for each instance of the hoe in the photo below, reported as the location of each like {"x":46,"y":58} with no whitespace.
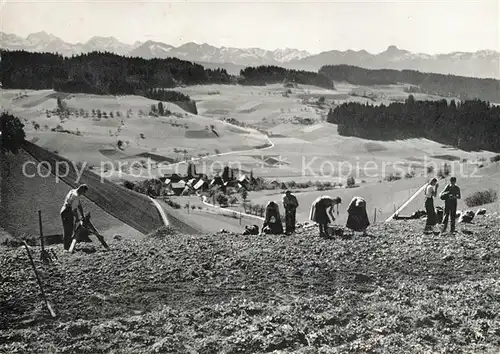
{"x":83,"y":230}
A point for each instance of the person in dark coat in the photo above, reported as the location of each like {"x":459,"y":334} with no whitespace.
{"x":430,"y":193}
{"x":290,"y":204}
{"x":322,"y":213}
{"x":450,"y":195}
{"x":272,"y":220}
{"x":358,"y":218}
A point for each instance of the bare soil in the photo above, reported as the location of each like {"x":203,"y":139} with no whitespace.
{"x":397,"y":291}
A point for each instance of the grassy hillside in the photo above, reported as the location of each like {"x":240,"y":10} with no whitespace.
{"x":130,"y":132}
{"x":294,"y":122}
{"x":397,"y":291}
{"x":292,"y":117}
{"x":22,"y":197}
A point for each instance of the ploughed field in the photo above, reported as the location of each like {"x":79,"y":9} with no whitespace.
{"x":397,"y":291}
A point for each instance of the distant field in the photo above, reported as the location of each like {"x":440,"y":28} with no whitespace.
{"x":305,"y":147}
{"x":174,"y":137}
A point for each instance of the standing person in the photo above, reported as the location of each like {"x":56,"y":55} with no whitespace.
{"x":358,"y":218}
{"x":430,"y":193}
{"x":272,"y":220}
{"x":450,"y":195}
{"x":68,"y":216}
{"x":290,"y":204}
{"x":322,"y":212}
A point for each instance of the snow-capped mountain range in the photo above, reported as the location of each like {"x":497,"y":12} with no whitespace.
{"x":484,"y":63}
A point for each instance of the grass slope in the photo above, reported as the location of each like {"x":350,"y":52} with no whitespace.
{"x":397,"y":291}
{"x":23,"y":196}
{"x":138,"y":131}
{"x":292,"y":117}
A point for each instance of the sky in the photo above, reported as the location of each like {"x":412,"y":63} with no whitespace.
{"x":424,"y":27}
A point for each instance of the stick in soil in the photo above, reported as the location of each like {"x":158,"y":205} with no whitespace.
{"x":49,"y":306}
{"x":44,"y":255}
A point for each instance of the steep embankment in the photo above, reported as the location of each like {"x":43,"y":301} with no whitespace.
{"x":398,"y":291}
{"x":28,"y":186}
{"x":23,"y":194}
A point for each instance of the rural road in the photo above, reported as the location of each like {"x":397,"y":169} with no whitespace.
{"x":230,"y":211}
{"x":224,"y":153}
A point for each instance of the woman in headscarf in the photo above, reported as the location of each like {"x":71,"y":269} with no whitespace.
{"x":358,"y":218}
{"x":272,"y":220}
{"x":322,"y":212}
{"x":430,"y":193}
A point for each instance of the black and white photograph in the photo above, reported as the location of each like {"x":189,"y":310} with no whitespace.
{"x":283,"y":176}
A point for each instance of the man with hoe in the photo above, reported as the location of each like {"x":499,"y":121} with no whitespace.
{"x":68,"y":212}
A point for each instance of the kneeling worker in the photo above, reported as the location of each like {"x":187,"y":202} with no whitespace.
{"x":68,"y":216}
{"x":272,"y":220}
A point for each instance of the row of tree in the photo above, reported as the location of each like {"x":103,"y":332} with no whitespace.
{"x":445,"y":85}
{"x":472,"y":124}
{"x":263,"y":75}
{"x":101,"y":73}
{"x":166,"y":95}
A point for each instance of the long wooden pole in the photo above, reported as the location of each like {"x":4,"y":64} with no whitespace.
{"x":41,"y":230}
{"x":49,"y":306}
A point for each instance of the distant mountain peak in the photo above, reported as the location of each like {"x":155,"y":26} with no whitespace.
{"x":394,"y":50}
{"x":482,"y":63}
{"x":42,"y":36}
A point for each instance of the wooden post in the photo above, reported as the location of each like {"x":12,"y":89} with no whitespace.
{"x":240,"y":218}
{"x":374,"y":215}
{"x":41,"y":231}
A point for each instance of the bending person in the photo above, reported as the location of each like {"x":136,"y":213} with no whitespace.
{"x":322,"y":213}
{"x":358,"y":218}
{"x":68,"y":212}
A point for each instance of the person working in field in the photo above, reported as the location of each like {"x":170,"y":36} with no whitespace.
{"x":272,"y":220}
{"x":322,"y":213}
{"x":68,"y":212}
{"x":450,"y":195}
{"x":430,"y":192}
{"x":357,"y":220}
{"x":290,"y":204}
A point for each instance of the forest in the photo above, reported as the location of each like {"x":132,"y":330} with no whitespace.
{"x":263,"y":75}
{"x":468,"y":125}
{"x":101,"y":73}
{"x":461,"y":87}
